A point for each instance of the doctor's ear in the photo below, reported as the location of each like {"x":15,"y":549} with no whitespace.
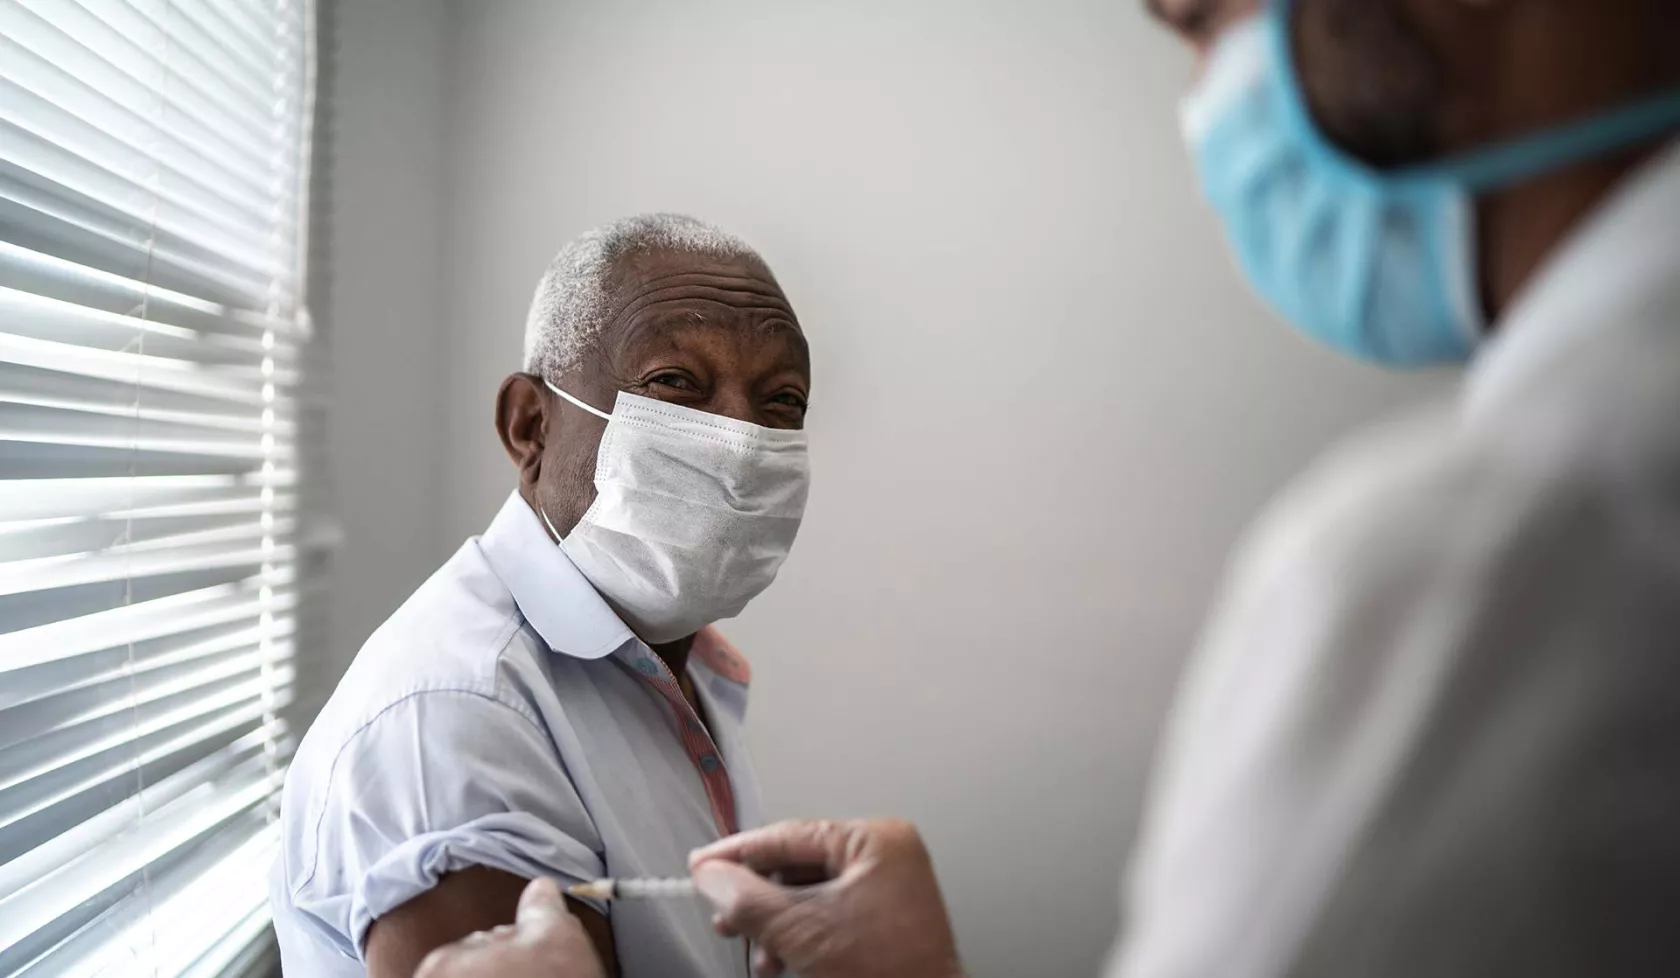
{"x":522,"y":423}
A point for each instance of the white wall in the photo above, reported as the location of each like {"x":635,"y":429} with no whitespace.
{"x":1044,"y":407}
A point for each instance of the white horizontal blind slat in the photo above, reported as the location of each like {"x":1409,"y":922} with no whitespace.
{"x":36,"y":539}
{"x":57,"y":218}
{"x":154,"y":163}
{"x":241,"y":383}
{"x":35,"y":499}
{"x":135,"y":46}
{"x":142,"y":928}
{"x":63,"y":848}
{"x":158,"y":835}
{"x":217,"y":899}
{"x":49,"y":278}
{"x":43,"y":800}
{"x":215,"y":241}
{"x":155,"y":70}
{"x":39,"y":59}
{"x":126,"y":144}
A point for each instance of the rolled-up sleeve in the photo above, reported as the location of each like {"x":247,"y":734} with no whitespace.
{"x":438,"y":781}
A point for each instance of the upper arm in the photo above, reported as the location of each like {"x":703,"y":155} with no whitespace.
{"x":474,"y":899}
{"x":437,"y":784}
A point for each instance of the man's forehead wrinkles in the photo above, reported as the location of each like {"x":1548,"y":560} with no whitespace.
{"x":729,"y":297}
{"x":756,"y":317}
{"x":679,"y":332}
{"x":771,"y":302}
{"x":745,"y":283}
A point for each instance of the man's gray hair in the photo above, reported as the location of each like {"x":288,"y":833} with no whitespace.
{"x":572,"y":301}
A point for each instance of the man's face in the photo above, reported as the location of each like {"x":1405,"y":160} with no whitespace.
{"x":1372,"y":71}
{"x":716,"y":335}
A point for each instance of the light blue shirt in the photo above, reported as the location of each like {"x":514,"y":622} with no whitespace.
{"x":505,"y":717}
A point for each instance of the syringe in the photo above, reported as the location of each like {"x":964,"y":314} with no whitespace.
{"x":652,"y":887}
{"x":633,"y":889}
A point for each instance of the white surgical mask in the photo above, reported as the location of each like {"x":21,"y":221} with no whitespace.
{"x":693,"y":514}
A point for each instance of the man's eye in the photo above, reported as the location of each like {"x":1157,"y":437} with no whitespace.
{"x":677,"y":381}
{"x":791,"y":400}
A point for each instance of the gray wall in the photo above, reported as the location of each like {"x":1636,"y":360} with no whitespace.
{"x":383,"y":314}
{"x":1044,"y":407}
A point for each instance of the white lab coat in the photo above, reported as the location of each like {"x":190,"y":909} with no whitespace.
{"x":1434,"y":728}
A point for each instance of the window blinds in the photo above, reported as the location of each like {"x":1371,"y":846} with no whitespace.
{"x":153,"y":186}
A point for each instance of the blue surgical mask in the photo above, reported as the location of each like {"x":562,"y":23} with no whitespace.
{"x":1380,"y":264}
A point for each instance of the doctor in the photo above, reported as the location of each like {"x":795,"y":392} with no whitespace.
{"x":1433,"y":728}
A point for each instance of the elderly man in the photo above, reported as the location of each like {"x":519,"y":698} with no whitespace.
{"x":1432,"y":730}
{"x":554,"y":702}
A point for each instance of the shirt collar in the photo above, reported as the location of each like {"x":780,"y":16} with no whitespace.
{"x":552,"y":594}
{"x":1604,"y":277}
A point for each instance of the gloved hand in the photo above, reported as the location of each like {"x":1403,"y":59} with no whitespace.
{"x":879,"y":913}
{"x":545,"y":941}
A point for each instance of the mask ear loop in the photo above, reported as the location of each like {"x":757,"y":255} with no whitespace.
{"x":604,"y":416}
{"x":549,"y":523}
{"x":592,"y":410}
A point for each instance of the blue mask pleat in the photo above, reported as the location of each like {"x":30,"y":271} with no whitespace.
{"x":1377,"y":263}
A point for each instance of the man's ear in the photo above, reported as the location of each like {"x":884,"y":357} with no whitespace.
{"x":522,"y":424}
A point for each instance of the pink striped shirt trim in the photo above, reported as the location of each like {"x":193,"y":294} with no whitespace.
{"x":722,"y":658}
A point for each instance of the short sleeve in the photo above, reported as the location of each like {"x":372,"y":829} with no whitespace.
{"x":437,"y":782}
